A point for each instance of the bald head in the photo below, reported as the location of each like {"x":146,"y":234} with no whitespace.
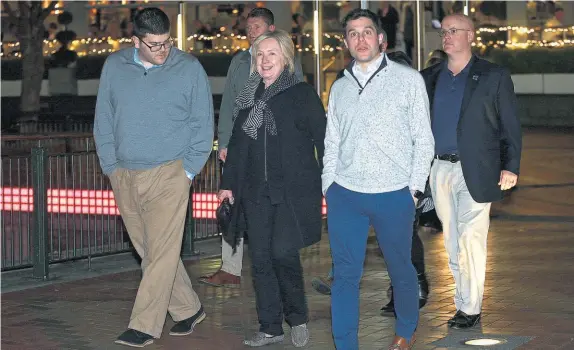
{"x":457,"y":32}
{"x":463,"y":20}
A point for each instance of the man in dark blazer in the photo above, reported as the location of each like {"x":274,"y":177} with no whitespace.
{"x":478,"y":142}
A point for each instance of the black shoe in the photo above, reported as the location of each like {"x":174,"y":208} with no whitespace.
{"x":464,"y":321}
{"x":390,"y":307}
{"x":453,"y":319}
{"x":186,"y":326}
{"x":430,"y":220}
{"x":423,"y":286}
{"x":322,"y":285}
{"x":423,"y":289}
{"x":134,"y":338}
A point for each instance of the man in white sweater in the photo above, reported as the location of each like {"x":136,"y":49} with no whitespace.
{"x":378,"y":151}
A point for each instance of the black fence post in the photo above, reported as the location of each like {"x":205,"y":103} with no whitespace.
{"x":188,"y":249}
{"x":40,"y":214}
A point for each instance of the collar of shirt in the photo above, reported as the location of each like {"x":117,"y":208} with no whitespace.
{"x":463,"y":72}
{"x":139,"y":61}
{"x":363,"y":77}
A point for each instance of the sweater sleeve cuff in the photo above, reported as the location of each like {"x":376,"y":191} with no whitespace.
{"x":327,"y":181}
{"x":190,"y":176}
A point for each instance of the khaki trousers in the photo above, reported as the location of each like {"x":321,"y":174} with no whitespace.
{"x":465,"y":229}
{"x":153,"y":205}
{"x":232,"y":262}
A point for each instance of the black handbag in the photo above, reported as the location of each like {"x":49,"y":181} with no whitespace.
{"x":223,"y":216}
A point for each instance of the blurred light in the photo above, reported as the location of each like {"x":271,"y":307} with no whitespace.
{"x":316,"y":31}
{"x":483,"y":342}
{"x":95,"y":202}
{"x":179,"y":32}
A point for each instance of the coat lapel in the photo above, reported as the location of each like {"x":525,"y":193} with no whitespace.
{"x":471,"y":83}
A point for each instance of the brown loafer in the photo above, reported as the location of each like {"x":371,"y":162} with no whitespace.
{"x":400,"y":343}
{"x":221,"y":279}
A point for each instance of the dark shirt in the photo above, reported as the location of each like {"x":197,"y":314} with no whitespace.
{"x":265,"y":176}
{"x":63,"y":58}
{"x":446,"y":108}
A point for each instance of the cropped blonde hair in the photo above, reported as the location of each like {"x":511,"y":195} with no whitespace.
{"x":285,"y":44}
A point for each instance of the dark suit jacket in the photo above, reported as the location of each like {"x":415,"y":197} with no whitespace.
{"x":488,"y":133}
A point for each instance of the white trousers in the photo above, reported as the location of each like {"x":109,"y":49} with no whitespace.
{"x":232,"y":262}
{"x":465,"y":229}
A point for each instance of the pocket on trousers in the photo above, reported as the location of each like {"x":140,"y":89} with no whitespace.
{"x":329,"y":188}
{"x":113,"y":177}
{"x":189,"y":181}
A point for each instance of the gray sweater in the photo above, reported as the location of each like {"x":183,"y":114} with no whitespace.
{"x":145,"y":118}
{"x":378,"y":136}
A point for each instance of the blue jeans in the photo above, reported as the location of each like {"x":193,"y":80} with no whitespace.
{"x":349,"y":217}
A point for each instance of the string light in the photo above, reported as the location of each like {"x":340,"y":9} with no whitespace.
{"x":224,"y":43}
{"x":229,"y":42}
{"x":516,"y":32}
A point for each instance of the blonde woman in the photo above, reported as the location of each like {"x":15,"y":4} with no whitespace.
{"x":274,"y":180}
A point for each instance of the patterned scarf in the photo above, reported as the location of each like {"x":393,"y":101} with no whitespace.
{"x":260,"y":112}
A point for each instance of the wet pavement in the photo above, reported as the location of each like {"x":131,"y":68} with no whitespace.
{"x":528,"y":299}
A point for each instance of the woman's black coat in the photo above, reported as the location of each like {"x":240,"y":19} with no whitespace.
{"x":301,"y":123}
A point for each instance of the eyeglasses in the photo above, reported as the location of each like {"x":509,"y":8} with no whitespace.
{"x":451,"y":32}
{"x":158,"y":47}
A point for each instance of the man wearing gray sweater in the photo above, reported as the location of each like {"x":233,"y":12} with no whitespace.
{"x":378,"y":151}
{"x":154,"y":132}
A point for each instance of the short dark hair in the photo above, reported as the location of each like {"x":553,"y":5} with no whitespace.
{"x":151,"y":20}
{"x":358,"y":13}
{"x":263,"y":13}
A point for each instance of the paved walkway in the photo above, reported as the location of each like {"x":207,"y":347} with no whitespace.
{"x":529,"y":288}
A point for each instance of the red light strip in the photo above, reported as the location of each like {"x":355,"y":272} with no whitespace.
{"x":95,"y":202}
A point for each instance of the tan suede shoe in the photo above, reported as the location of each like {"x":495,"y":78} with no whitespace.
{"x":221,"y":279}
{"x":400,"y":343}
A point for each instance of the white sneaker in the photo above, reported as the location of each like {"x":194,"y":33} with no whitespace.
{"x":300,"y":335}
{"x":260,"y":339}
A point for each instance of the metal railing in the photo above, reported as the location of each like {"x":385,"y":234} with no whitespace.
{"x":56,"y":204}
{"x":55,"y":126}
